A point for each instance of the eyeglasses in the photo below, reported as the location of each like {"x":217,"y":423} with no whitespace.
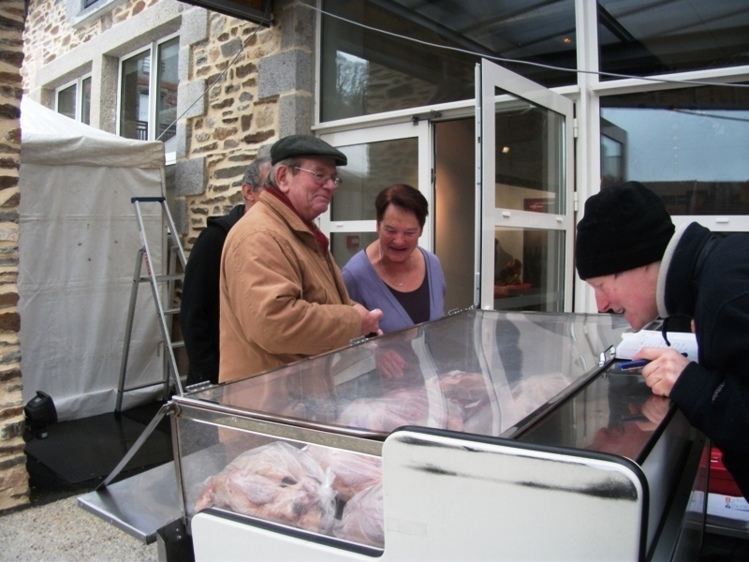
{"x":321,"y":179}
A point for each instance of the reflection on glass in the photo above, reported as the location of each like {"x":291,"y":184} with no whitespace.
{"x":613,"y":154}
{"x":136,"y":72}
{"x":371,"y":168}
{"x":428,"y":51}
{"x":642,"y":37}
{"x":344,"y":245}
{"x":529,"y":269}
{"x":529,"y":157}
{"x":66,"y":101}
{"x":86,"y":101}
{"x":166,"y":111}
{"x":687,"y":145}
{"x":482,"y":372}
{"x":617,"y":414}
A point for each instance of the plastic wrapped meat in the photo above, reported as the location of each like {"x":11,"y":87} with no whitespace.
{"x":362,"y":520}
{"x":532,"y":392}
{"x":276,"y":482}
{"x":353,"y":471}
{"x":416,"y":405}
{"x":466,"y":388}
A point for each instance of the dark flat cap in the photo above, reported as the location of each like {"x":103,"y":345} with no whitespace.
{"x":295,"y":146}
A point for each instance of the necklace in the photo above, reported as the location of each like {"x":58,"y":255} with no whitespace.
{"x":382,"y":264}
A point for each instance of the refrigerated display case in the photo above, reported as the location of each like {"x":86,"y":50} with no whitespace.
{"x":483,"y":435}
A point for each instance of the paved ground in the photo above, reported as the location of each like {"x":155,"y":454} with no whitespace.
{"x":61,"y":531}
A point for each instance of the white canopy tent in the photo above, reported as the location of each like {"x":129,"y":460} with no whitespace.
{"x":78,"y":242}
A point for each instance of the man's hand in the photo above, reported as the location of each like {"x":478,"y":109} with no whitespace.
{"x":370,"y":320}
{"x":664,"y":369}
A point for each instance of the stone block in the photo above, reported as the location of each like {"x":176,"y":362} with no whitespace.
{"x":190,"y":177}
{"x":295,"y":114}
{"x":194,"y":28}
{"x":181,"y":221}
{"x":297,"y":26}
{"x":285,"y":72}
{"x":191,"y":99}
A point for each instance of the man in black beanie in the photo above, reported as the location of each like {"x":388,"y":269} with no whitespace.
{"x":638,"y":265}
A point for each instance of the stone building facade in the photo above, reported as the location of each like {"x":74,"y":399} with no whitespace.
{"x":14,"y":482}
{"x":241,"y":87}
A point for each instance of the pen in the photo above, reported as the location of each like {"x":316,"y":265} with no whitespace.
{"x":631,"y":365}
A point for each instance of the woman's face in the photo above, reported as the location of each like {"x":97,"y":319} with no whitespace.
{"x":398,"y":232}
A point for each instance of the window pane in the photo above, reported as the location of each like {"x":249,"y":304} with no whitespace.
{"x":136,"y":73}
{"x":371,"y":168}
{"x":529,"y":157}
{"x":643,"y":37}
{"x":66,"y":101}
{"x":166,"y":112}
{"x":529,"y":269}
{"x":365,"y":71}
{"x":688,"y":145}
{"x":86,"y":101}
{"x":344,"y":245}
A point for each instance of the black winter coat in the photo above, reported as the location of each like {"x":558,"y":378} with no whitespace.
{"x":707,"y":279}
{"x":199,"y":312}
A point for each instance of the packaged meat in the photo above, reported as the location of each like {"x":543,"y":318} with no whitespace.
{"x":362,"y":520}
{"x":276,"y":482}
{"x":414,"y":405}
{"x":353,"y":471}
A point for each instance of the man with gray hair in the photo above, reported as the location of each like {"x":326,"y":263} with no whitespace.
{"x":282,"y":294}
{"x":199,"y":313}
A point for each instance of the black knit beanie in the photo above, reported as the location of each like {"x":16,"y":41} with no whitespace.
{"x":624,"y":227}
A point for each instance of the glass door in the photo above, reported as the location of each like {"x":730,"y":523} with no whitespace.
{"x":525,"y":211}
{"x":377,"y":157}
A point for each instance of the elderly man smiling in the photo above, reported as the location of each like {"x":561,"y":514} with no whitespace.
{"x":282,"y":295}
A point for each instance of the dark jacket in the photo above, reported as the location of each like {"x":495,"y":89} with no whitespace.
{"x":707,"y":279}
{"x":199,"y":313}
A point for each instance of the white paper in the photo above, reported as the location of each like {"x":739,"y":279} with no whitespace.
{"x":680,"y":341}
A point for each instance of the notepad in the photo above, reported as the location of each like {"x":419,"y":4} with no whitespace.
{"x":680,"y":341}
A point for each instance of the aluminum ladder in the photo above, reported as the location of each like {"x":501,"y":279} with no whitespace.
{"x":163,"y":288}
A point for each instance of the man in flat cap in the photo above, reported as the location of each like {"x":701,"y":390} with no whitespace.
{"x":628,"y":250}
{"x":282,"y":295}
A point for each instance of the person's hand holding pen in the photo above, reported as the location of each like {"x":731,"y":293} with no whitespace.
{"x":663,"y":369}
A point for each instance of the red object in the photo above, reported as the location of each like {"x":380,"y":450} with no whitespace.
{"x":352,"y":241}
{"x":721,"y":482}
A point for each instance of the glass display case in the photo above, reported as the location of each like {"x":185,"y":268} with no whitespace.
{"x":485,"y":434}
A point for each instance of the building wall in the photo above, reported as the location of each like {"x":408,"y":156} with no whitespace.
{"x":242,"y":86}
{"x":14,"y":481}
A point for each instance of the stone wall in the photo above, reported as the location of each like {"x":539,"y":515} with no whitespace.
{"x":258,"y":84}
{"x":241,"y":86}
{"x":14,"y":481}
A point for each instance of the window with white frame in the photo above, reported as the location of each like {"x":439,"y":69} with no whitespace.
{"x":80,"y":12}
{"x":149,"y":80}
{"x":74,"y":99}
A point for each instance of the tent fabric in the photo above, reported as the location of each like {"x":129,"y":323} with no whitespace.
{"x":52,"y":139}
{"x":78,"y":247}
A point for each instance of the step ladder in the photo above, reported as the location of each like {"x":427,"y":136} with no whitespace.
{"x":163,"y":286}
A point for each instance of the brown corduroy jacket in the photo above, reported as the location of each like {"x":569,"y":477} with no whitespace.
{"x":282,"y":298}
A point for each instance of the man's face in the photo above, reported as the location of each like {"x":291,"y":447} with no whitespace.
{"x":251,"y":193}
{"x":309,"y":186}
{"x":631,"y":293}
